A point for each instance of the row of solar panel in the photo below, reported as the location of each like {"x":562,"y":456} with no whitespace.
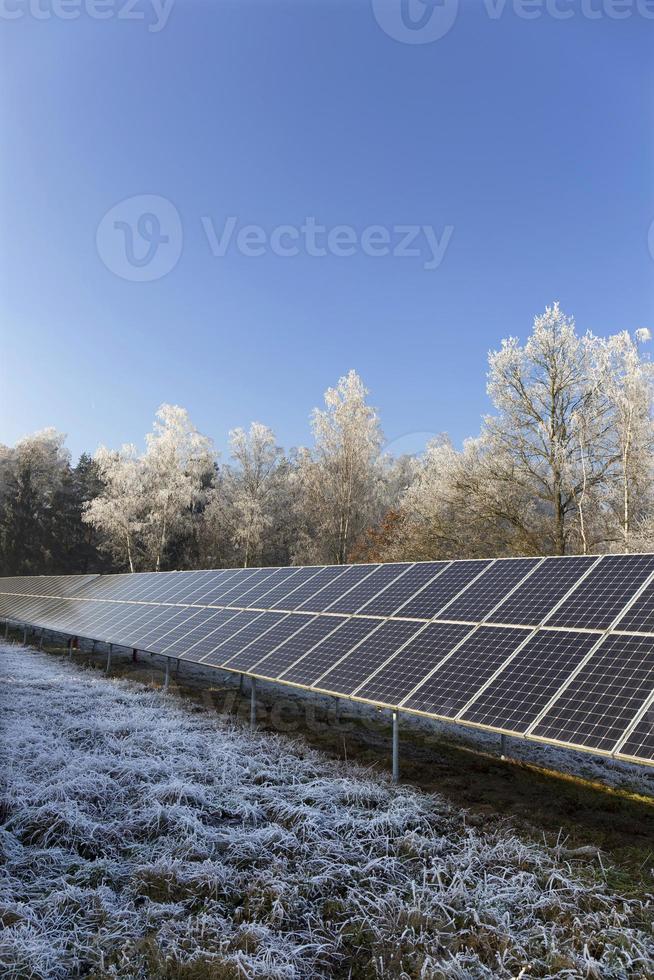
{"x":573,"y":592}
{"x":557,"y":685}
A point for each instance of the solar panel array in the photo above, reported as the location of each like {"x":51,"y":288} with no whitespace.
{"x":558,"y":650}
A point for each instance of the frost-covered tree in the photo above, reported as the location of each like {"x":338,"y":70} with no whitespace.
{"x":627,"y":380}
{"x":177,"y":464}
{"x":545,"y":394}
{"x":340,"y":478}
{"x":454,"y":508}
{"x":259,"y":462}
{"x":118,"y":512}
{"x":564,"y":464}
{"x":242,"y":513}
{"x":147,"y":500}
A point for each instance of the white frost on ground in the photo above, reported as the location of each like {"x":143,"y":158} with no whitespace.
{"x":146,"y":839}
{"x":615,"y":773}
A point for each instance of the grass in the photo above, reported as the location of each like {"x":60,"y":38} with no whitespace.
{"x":150,"y":837}
{"x":563,"y":809}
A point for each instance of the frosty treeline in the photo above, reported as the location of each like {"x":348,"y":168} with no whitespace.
{"x":563,"y":464}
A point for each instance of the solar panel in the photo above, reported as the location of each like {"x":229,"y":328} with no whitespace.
{"x":311,"y":632}
{"x":267,"y":642}
{"x":331,"y":649}
{"x":397,"y":593}
{"x":151,"y":589}
{"x":257,"y":593}
{"x":394,"y":681}
{"x":358,"y":665}
{"x":353,"y":575}
{"x":324,"y":577}
{"x":600,"y":702}
{"x":10,"y":585}
{"x":177,"y":587}
{"x":431,"y":599}
{"x":63,"y":613}
{"x":203,"y":621}
{"x":366,"y":590}
{"x":639,"y":618}
{"x":536,"y":597}
{"x":167,"y":631}
{"x":38,"y":612}
{"x":223,"y":588}
{"x":241,"y":640}
{"x":105,"y":586}
{"x":112,"y":620}
{"x":232,"y":628}
{"x":200,"y":643}
{"x":458,"y":677}
{"x":606,"y":590}
{"x":245,"y":593}
{"x":26,"y":606}
{"x":518,"y":695}
{"x":482,"y":595}
{"x":526,"y":646}
{"x":116,"y":620}
{"x":208,"y":589}
{"x":131,"y":587}
{"x":286,"y":589}
{"x":640,"y":744}
{"x":55,"y":586}
{"x":174,"y":634}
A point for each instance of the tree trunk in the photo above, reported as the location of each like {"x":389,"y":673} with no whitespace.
{"x":162,"y":544}
{"x":129,"y":552}
{"x":582,"y":499}
{"x":559,"y":535}
{"x":626,"y":530}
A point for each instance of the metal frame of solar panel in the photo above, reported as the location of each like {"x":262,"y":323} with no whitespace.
{"x":557,"y":650}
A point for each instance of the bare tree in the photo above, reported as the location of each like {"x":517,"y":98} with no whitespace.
{"x":627,"y":380}
{"x":119,"y":511}
{"x":177,"y":461}
{"x":247,"y":496}
{"x":541,"y":392}
{"x":340,"y":477}
{"x":147,"y":499}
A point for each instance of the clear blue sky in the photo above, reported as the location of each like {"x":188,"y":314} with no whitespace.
{"x":532,"y":138}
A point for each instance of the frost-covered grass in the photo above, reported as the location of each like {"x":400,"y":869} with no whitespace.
{"x":146,"y":839}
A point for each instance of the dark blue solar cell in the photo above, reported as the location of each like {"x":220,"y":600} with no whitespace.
{"x":431,"y":599}
{"x":598,"y":600}
{"x":462,"y":674}
{"x":484,"y":594}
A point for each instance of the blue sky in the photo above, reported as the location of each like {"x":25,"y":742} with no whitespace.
{"x":530,"y":139}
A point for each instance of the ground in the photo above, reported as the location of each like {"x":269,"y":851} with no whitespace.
{"x":148,"y":835}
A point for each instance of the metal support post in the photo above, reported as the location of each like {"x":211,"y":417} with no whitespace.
{"x":503,"y":746}
{"x":253,"y":704}
{"x":396,"y":746}
{"x":25,"y":636}
{"x":167,"y":677}
{"x":70,"y":646}
{"x":109,"y":657}
{"x":41,"y":640}
{"x":135,"y":655}
{"x":6,"y":628}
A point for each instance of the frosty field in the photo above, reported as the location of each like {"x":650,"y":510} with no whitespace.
{"x":144,"y":837}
